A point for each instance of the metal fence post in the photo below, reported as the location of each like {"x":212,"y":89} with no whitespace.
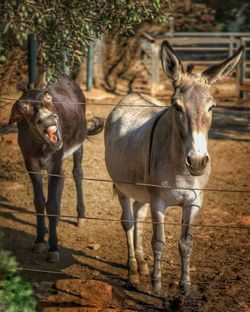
{"x":154,"y":68}
{"x":65,"y":59}
{"x":32,"y":59}
{"x":90,"y":66}
{"x":231,"y":46}
{"x":98,"y":63}
{"x":242,"y":70}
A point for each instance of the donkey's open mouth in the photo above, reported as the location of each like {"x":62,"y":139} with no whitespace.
{"x":51,"y":134}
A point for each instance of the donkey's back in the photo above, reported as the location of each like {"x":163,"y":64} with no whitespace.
{"x":130,"y":115}
{"x":127,"y":132}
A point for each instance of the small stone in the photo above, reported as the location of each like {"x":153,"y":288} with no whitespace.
{"x":10,"y":138}
{"x":93,"y":246}
{"x":150,"y":259}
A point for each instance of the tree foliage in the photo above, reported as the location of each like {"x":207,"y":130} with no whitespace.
{"x":66,"y":26}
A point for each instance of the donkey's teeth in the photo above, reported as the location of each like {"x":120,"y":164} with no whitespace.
{"x":51,"y":129}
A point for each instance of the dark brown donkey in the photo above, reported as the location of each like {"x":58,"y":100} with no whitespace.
{"x":51,"y":126}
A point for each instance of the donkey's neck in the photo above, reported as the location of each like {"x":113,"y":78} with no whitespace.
{"x":175,"y":145}
{"x":167,"y":145}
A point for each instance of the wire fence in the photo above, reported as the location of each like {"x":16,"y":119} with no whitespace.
{"x":89,"y":103}
{"x":116,"y":276}
{"x":61,"y":216}
{"x":230,"y":226}
{"x":216,"y":283}
{"x":131,"y":183}
{"x":114,"y":220}
{"x":138,"y":184}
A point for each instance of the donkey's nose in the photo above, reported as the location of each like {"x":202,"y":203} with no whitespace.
{"x":196,"y":163}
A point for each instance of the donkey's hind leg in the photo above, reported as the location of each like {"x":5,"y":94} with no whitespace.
{"x":78,"y":177}
{"x":140,"y":212}
{"x":127,"y":220}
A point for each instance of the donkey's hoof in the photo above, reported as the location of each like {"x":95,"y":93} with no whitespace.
{"x":185,"y":288}
{"x":133,"y":280}
{"x":157,"y":287}
{"x":81,"y":222}
{"x":39,"y":248}
{"x":143,"y":268}
{"x":53,"y":256}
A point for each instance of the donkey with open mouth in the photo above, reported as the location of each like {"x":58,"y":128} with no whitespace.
{"x":51,"y":126}
{"x":148,"y":144}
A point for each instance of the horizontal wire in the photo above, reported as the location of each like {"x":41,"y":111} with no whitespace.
{"x":41,"y":271}
{"x":154,"y":105}
{"x":129,"y":183}
{"x":118,"y":276}
{"x":240,"y":227}
{"x":85,"y":103}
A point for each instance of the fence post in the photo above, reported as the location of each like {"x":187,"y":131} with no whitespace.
{"x":171,"y":25}
{"x":65,"y":59}
{"x":231,"y":46}
{"x":154,"y":68}
{"x":32,"y":59}
{"x":90,"y":66}
{"x":242,"y":70}
{"x":98,"y":63}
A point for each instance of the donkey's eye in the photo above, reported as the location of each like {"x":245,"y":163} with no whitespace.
{"x":36,"y":109}
{"x":177,"y":107}
{"x":211,"y":108}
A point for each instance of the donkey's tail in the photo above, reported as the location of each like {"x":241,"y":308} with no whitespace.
{"x":95,"y":125}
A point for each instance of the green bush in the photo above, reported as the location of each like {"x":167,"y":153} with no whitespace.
{"x":15,"y":294}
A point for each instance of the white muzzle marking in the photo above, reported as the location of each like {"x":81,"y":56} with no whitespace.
{"x":199,"y":144}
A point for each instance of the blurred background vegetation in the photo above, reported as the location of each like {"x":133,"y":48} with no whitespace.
{"x":16,"y":295}
{"x":64,"y":28}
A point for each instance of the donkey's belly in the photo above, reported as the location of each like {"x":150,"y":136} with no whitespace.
{"x":179,"y":197}
{"x":138,"y":193}
{"x":143,"y":194}
{"x":127,"y":174}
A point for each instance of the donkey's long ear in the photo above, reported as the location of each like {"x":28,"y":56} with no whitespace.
{"x":41,"y":79}
{"x":221,"y":70}
{"x":19,"y":111}
{"x":15,"y":114}
{"x":172,"y":66}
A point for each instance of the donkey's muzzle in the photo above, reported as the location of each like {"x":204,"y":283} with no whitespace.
{"x":196,"y":164}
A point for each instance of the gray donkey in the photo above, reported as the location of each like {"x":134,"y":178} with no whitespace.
{"x":167,"y":148}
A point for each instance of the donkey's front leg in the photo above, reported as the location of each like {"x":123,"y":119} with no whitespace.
{"x":78,"y":177}
{"x":53,"y":209}
{"x":186,"y":244}
{"x":39,"y":203}
{"x":158,"y":242}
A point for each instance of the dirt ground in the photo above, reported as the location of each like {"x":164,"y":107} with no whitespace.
{"x":220,"y":260}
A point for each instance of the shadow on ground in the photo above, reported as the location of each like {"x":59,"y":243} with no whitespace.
{"x":230,"y":124}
